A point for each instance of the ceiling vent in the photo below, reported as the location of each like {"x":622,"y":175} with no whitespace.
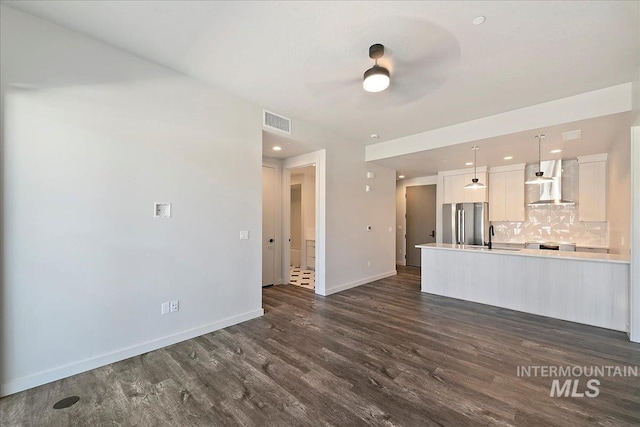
{"x":574,"y":134}
{"x":276,"y":122}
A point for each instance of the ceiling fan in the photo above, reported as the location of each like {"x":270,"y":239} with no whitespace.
{"x":408,"y":66}
{"x":376,"y":78}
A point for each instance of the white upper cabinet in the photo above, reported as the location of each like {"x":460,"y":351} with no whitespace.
{"x":592,"y":188}
{"x":506,"y":193}
{"x":454,"y":182}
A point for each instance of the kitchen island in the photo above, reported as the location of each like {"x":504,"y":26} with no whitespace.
{"x":589,"y":288}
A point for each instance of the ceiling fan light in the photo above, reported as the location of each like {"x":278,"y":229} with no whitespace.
{"x":376,"y":79}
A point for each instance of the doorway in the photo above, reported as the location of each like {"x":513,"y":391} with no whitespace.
{"x":302,"y":225}
{"x":316,"y":255}
{"x":421,"y":220}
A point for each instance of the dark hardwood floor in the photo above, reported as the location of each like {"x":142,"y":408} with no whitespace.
{"x":379,"y":354}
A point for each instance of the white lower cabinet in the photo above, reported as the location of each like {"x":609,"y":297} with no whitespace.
{"x":594,"y":250}
{"x":311,"y":254}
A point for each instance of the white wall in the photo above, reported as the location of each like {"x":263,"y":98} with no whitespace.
{"x":92,"y":137}
{"x":619,"y":193}
{"x":350,"y":209}
{"x":401,"y":210}
{"x":296,"y":215}
{"x":309,"y":204}
{"x":635,"y":213}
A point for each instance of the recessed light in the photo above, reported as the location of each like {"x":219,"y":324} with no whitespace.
{"x":508,"y":157}
{"x":276,"y":148}
{"x":555,"y":151}
{"x":400,"y":176}
{"x":375,"y":136}
{"x":478,"y":20}
{"x":469,"y":164}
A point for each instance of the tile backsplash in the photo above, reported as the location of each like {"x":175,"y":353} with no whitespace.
{"x":553,"y":223}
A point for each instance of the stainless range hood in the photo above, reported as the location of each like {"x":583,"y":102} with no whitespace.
{"x":551,"y":192}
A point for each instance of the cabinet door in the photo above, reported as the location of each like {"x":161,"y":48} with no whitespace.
{"x":497,"y":196}
{"x":454,"y":189}
{"x":592,"y":191}
{"x":514,"y":196}
{"x":447,"y":194}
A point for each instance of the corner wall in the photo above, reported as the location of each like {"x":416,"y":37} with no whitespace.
{"x":619,"y":194}
{"x":92,"y":137}
{"x":349,"y":209}
{"x":634,"y":291}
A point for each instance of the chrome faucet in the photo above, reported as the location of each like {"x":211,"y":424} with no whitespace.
{"x":491,"y":233}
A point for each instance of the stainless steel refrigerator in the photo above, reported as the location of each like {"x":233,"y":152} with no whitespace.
{"x":465,"y":223}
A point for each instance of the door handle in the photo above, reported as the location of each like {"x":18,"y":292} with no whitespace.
{"x":270,"y":240}
{"x":433,"y":233}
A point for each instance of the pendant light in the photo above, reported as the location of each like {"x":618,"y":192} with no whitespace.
{"x":539,"y":178}
{"x":474,"y":181}
{"x":376,"y":78}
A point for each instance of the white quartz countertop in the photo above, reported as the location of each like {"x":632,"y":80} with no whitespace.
{"x":576,"y":256}
{"x":523,"y":243}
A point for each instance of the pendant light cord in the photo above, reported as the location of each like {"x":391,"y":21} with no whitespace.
{"x":539,"y":136}
{"x":475,"y":162}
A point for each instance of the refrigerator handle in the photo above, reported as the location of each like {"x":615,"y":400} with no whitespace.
{"x":462,"y":233}
{"x":458,"y":226}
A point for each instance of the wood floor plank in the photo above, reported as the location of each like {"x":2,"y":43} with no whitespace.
{"x":380,"y":354}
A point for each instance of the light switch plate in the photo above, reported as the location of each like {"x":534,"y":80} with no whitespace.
{"x":174,"y":305}
{"x":162,"y":210}
{"x":371,"y":175}
{"x":367,"y":188}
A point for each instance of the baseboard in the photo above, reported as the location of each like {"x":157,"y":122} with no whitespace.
{"x":55,"y":374}
{"x":350,"y":285}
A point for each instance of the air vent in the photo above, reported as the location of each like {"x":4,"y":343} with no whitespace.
{"x":573,"y":134}
{"x":274,"y":121}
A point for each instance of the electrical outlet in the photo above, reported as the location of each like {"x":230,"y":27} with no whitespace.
{"x":175,"y":306}
{"x":244,"y":234}
{"x":164,"y":308}
{"x":369,"y":263}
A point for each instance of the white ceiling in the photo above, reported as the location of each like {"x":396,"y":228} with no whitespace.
{"x":597,"y":136}
{"x":306,"y":59}
{"x":290,"y":147}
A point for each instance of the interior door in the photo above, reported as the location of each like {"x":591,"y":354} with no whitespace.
{"x":421,"y":220}
{"x":269,"y":188}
